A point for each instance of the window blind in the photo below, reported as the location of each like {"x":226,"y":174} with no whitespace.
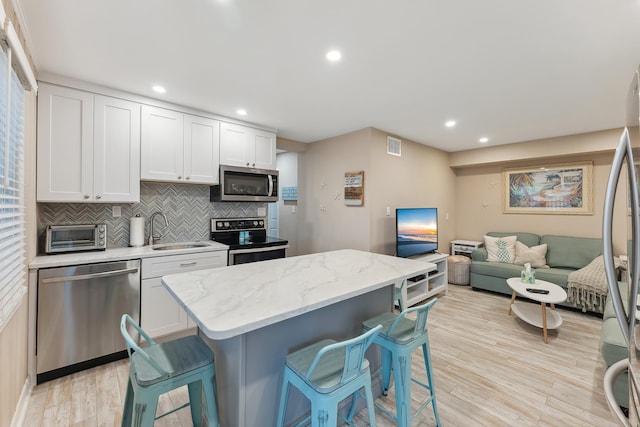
{"x":12,"y":215}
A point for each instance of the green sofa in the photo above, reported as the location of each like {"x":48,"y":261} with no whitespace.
{"x":565,"y":254}
{"x":613,"y":346}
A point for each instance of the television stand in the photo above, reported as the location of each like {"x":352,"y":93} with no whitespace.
{"x":417,"y":289}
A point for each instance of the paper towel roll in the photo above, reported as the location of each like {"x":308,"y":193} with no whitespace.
{"x":136,"y":231}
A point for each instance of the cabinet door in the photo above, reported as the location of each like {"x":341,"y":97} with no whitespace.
{"x":234,"y":145}
{"x":116,"y":148}
{"x":161,"y":144}
{"x":160,"y":313}
{"x":264,"y":149}
{"x":64,"y":145}
{"x":201,"y":150}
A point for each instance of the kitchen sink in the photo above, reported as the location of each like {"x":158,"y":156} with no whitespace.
{"x":177,"y":246}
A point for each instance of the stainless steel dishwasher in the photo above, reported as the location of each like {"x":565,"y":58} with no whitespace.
{"x":79,"y":311}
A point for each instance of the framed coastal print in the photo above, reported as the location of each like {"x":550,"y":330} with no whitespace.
{"x":555,"y":189}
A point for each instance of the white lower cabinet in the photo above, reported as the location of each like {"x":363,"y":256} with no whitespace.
{"x":160,"y":313}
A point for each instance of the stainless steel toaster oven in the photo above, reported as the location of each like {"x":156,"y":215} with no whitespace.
{"x":72,"y":238}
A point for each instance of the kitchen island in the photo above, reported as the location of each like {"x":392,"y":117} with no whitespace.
{"x":252,"y":315}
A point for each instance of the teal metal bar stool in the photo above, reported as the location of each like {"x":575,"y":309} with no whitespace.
{"x":163,"y":367}
{"x":399,"y":337}
{"x":327,"y":372}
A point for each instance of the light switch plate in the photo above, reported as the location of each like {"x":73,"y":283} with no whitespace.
{"x":116,"y":211}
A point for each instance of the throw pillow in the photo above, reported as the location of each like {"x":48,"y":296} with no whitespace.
{"x":500,"y":249}
{"x":534,"y":255}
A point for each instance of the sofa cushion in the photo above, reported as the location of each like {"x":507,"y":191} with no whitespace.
{"x":528,"y":239}
{"x":500,"y":249}
{"x":496,"y":269}
{"x":612,"y":344}
{"x":559,"y":276}
{"x":608,"y":307}
{"x":534,"y":255}
{"x":571,"y":252}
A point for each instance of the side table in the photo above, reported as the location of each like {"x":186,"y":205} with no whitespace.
{"x":529,"y":312}
{"x":464,"y":247}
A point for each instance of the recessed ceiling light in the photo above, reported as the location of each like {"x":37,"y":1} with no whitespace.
{"x":483,"y":140}
{"x":450,"y":123}
{"x":241,"y":112}
{"x":159,"y":89}
{"x":334,"y":55}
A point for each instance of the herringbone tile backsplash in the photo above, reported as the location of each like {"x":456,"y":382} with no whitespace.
{"x":187,"y":207}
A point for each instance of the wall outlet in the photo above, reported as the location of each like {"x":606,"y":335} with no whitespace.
{"x":293,"y":209}
{"x":262,"y":211}
{"x":116,"y":211}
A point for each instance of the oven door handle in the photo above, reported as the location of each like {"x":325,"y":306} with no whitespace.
{"x":264,"y":249}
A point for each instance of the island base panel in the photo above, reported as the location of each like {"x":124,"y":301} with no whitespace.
{"x":249,"y":367}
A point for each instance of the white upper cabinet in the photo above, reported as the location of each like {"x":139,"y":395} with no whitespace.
{"x":179,"y":147}
{"x":247,"y":147}
{"x":201,"y":149}
{"x":88,"y":147}
{"x":162,"y":144}
{"x":116,"y":150}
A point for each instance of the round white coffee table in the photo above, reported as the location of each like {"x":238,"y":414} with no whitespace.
{"x":530,"y":313}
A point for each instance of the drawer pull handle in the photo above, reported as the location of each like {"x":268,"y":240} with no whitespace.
{"x":189,"y":264}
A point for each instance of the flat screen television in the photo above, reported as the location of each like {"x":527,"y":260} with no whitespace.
{"x":416,"y":231}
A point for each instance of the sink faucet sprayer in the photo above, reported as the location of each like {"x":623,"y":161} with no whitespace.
{"x":153,"y":239}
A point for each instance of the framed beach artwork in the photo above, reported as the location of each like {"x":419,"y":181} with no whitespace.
{"x":556,"y":189}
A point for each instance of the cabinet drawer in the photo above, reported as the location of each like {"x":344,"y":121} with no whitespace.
{"x":170,"y":264}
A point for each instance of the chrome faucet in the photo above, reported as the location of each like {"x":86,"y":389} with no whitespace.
{"x":153,"y":239}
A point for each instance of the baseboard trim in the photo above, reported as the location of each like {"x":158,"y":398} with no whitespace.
{"x":21,"y":407}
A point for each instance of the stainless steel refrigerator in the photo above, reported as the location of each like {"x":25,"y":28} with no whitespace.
{"x":623,"y":180}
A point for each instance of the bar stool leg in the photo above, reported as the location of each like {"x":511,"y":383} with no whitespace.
{"x":432,"y":390}
{"x":209,"y":388}
{"x":284,"y":396}
{"x":352,"y":411}
{"x":402,"y":379}
{"x":323,"y":416}
{"x":195,"y":402}
{"x":144,"y":409}
{"x":371,"y":410}
{"x":127,"y":412}
{"x":386,"y":370}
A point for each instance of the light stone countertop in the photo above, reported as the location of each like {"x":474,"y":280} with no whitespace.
{"x":227,"y":302}
{"x":117,"y":254}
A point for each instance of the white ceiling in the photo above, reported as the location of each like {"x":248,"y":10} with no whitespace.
{"x":508,"y":70}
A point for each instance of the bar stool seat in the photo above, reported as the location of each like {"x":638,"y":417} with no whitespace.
{"x":163,"y":367}
{"x":399,"y":337}
{"x":327,"y":372}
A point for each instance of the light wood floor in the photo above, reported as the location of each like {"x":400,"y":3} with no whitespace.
{"x":491,"y":369}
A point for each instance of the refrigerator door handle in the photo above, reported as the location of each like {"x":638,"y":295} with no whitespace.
{"x":624,"y":150}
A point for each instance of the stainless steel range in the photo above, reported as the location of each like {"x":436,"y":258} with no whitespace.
{"x":247,"y":240}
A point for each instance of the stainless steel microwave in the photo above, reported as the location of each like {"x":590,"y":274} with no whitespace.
{"x":238,"y":184}
{"x":72,"y":238}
